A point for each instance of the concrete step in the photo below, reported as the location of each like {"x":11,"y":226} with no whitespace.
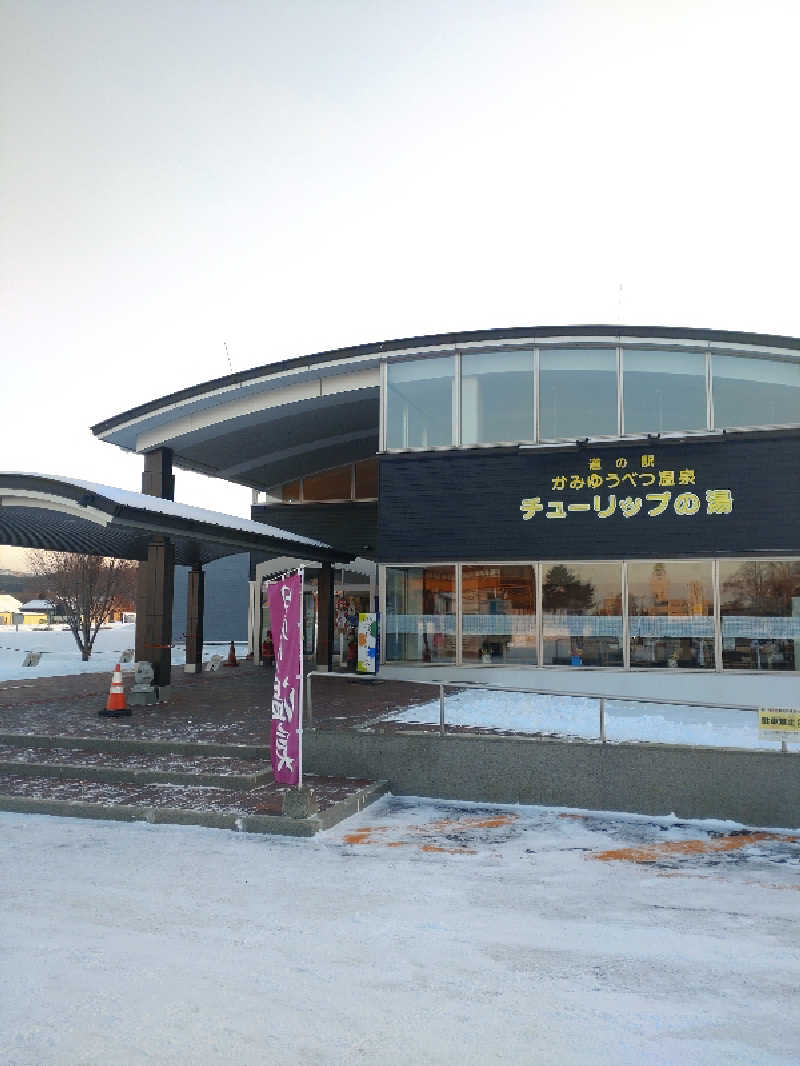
{"x":65,"y":760}
{"x":136,"y":745}
{"x":258,"y":809}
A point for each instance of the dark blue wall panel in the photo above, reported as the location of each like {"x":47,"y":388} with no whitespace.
{"x":225,"y":599}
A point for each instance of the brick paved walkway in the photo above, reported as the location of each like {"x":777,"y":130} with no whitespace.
{"x":173,"y":761}
{"x":231,"y":706}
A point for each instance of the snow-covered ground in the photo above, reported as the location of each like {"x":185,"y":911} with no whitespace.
{"x":60,"y":654}
{"x":578,"y":716}
{"x":418,"y":932}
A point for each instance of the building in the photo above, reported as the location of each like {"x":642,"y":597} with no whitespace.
{"x":572,"y":508}
{"x":9,"y":606}
{"x":38,"y":612}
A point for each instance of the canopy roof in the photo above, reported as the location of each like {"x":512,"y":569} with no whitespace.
{"x":67,"y":514}
{"x":274,"y":423}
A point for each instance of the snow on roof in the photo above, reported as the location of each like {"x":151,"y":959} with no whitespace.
{"x":9,"y":603}
{"x":179,"y":510}
{"x":37,"y":605}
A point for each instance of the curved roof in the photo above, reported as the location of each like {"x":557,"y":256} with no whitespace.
{"x":275,"y":422}
{"x":66,"y":514}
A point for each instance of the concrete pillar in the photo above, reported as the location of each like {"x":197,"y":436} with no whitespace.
{"x":194,"y":620}
{"x":154,"y":590}
{"x":325,"y":618}
{"x":155,"y":579}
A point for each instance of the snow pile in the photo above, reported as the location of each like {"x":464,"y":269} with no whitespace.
{"x":578,"y":716}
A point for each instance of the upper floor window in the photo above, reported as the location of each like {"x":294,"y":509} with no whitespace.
{"x":566,"y":394}
{"x":333,"y":484}
{"x":754,"y":392}
{"x":663,"y":391}
{"x":577,"y":393}
{"x":496,"y":397}
{"x":420,"y":403}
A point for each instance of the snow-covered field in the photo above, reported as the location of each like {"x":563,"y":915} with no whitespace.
{"x":578,"y":716}
{"x":417,"y":932}
{"x":60,"y":654}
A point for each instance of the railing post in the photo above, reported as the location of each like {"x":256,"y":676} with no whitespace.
{"x":602,"y":720}
{"x":308,"y":700}
{"x":441,"y":709}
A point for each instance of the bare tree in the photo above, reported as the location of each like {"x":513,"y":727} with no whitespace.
{"x":88,"y":588}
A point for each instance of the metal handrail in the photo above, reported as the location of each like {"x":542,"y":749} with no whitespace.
{"x":602,"y":697}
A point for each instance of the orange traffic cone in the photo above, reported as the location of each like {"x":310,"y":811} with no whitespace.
{"x":231,"y":660}
{"x":115,"y":704}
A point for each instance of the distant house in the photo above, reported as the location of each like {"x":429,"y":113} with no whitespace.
{"x":9,"y":606}
{"x":38,"y":612}
{"x":125,"y":611}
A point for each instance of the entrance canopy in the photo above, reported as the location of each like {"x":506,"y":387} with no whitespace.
{"x":69,"y":515}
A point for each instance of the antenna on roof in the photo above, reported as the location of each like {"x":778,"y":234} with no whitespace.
{"x":227,"y":353}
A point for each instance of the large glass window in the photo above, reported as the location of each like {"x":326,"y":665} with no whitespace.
{"x":367,"y":479}
{"x":333,"y":484}
{"x":499,"y":614}
{"x":754,"y":392}
{"x":671,"y":614}
{"x":577,"y":393}
{"x":582,"y":614}
{"x":421,"y":614}
{"x":496,"y":397}
{"x":290,"y":492}
{"x":663,"y":391}
{"x":760,"y":614}
{"x":420,"y":403}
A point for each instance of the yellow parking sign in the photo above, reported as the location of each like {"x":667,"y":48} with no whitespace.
{"x":777,"y":720}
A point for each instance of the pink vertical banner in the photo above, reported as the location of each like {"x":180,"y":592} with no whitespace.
{"x":285,"y":598}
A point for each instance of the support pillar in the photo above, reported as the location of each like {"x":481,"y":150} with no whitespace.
{"x":154,"y":590}
{"x":157,"y":477}
{"x":155,"y":579}
{"x":325,"y":618}
{"x":195,"y":583}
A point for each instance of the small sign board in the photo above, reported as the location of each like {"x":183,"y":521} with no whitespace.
{"x":779,"y":723}
{"x":17,"y":619}
{"x":367,"y":643}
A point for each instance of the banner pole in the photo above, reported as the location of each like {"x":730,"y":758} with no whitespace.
{"x":300,"y":687}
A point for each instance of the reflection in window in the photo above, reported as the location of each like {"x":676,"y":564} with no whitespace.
{"x":499,"y":614}
{"x":754,"y":392}
{"x":663,"y":391}
{"x":582,"y":614}
{"x":421,"y":614}
{"x":760,"y":613}
{"x":419,"y":404}
{"x":366,"y":479}
{"x":333,"y":484}
{"x":671,"y":614}
{"x":290,"y":492}
{"x":577,"y":393}
{"x":496,"y":397}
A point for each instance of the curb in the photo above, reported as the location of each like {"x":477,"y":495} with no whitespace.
{"x":276,"y":825}
{"x":353,"y":804}
{"x":247,"y":823}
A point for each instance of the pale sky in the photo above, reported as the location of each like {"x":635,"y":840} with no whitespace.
{"x":289,"y":177}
